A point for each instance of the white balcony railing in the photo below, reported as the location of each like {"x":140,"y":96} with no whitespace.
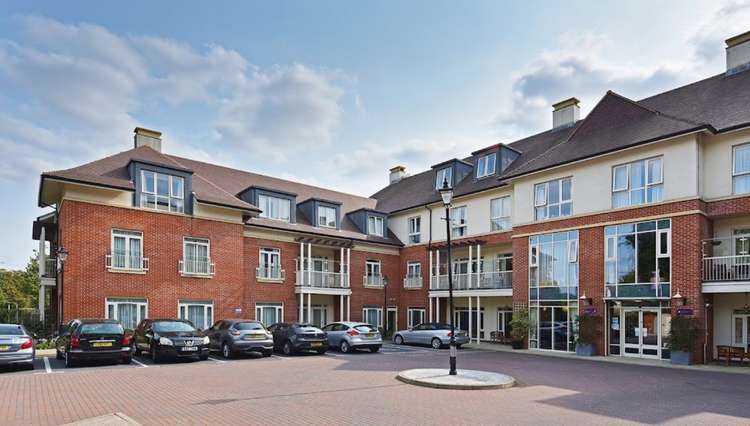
{"x":726,"y":268}
{"x":413,"y":282}
{"x":487,"y":280}
{"x":197,"y":266}
{"x":374,"y":281}
{"x":50,"y":268}
{"x":269,"y":273}
{"x":124,"y":262}
{"x":320,"y":274}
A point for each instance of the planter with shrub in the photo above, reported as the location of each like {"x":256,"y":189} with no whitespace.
{"x":588,"y":328}
{"x":519,"y":328}
{"x":684,"y":333}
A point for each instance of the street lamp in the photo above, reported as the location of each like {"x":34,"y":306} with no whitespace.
{"x":62,"y":256}
{"x":446,"y":193}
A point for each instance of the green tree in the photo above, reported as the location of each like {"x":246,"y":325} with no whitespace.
{"x":21,"y":286}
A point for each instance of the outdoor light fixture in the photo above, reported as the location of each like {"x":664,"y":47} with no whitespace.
{"x":678,"y":299}
{"x":62,"y":254}
{"x":446,"y":193}
{"x":585,"y":301}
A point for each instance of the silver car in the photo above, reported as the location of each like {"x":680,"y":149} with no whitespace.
{"x":347,"y":336}
{"x":16,"y":345}
{"x":435,"y":334}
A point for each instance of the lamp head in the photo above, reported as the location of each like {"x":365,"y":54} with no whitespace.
{"x":446,"y":193}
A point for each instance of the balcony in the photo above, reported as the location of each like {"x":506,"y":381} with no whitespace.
{"x":320,"y":275}
{"x":197,"y":267}
{"x":373,"y":281}
{"x":126,"y":263}
{"x":50,"y":268}
{"x":412,"y":282}
{"x":487,"y":280}
{"x":269,"y":273}
{"x":726,"y":259}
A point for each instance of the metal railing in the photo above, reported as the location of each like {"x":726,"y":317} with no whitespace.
{"x":726,"y":268}
{"x":321,"y":279}
{"x":125,"y":262}
{"x":197,"y":266}
{"x":487,"y":280}
{"x":413,"y":282}
{"x":376,"y":281}
{"x":269,"y":273}
{"x":50,"y":268}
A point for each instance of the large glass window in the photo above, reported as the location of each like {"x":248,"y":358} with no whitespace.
{"x":486,"y":165}
{"x":553,"y":290}
{"x":127,"y":250}
{"x":443,"y":175}
{"x":274,"y":207}
{"x":638,"y":182}
{"x":553,"y":199}
{"x":326,"y":216}
{"x":500,"y":214}
{"x":375,"y":225}
{"x":741,"y":169}
{"x":128,"y":311}
{"x":162,"y":192}
{"x":415,"y":229}
{"x":269,"y":313}
{"x":201,"y":314}
{"x":458,"y":221}
{"x":373,"y":316}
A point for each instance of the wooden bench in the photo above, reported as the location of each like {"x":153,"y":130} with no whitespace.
{"x":730,"y":353}
{"x":499,"y":337}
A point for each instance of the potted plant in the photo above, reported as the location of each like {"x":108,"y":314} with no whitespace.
{"x":519,"y":328}
{"x":588,"y":328}
{"x":685,"y":331}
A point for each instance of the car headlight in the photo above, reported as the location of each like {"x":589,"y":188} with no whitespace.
{"x":269,"y":335}
{"x":205,"y":340}
{"x":165,"y":341}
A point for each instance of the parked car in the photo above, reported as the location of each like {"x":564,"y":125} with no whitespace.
{"x":175,"y":338}
{"x":231,"y":336}
{"x":16,"y":346}
{"x":93,"y":339}
{"x":294,"y":337}
{"x":347,"y":336}
{"x":435,"y":334}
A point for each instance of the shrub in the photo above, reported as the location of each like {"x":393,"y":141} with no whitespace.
{"x":520,"y":325}
{"x":588,"y":329}
{"x":683,"y":334}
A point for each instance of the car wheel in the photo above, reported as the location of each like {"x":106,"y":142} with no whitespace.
{"x":58,"y":354}
{"x":375,"y":349}
{"x":344,"y":346}
{"x":436,"y":343}
{"x":287,"y":349}
{"x":226,"y":351}
{"x":127,"y":360}
{"x":155,"y":357}
{"x":68,"y":361}
{"x":267,"y":353}
{"x":398,"y":340}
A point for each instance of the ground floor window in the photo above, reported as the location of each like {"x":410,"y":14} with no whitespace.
{"x":269,"y":313}
{"x":639,"y":330}
{"x":415,"y":317}
{"x":373,"y":316}
{"x":477,"y":321}
{"x":200,"y":313}
{"x":319,"y":315}
{"x":554,"y":326}
{"x":503,"y":321}
{"x":128,"y":311}
{"x":741,"y":329}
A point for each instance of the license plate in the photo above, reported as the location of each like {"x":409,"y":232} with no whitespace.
{"x":370,"y":335}
{"x":102,"y":344}
{"x":190,"y":348}
{"x":4,"y":348}
{"x":252,"y":337}
{"x":316,"y":344}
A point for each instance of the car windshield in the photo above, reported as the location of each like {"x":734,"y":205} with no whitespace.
{"x":365,"y":328}
{"x":12,"y":330}
{"x":102,"y":328}
{"x":248,"y":326}
{"x":308,"y":327}
{"x":169,"y":326}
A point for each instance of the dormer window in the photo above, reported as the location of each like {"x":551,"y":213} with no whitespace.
{"x":486,"y":165}
{"x":274,"y":207}
{"x":442,"y":176}
{"x":375,"y":225}
{"x":326,"y":217}
{"x":162,"y":191}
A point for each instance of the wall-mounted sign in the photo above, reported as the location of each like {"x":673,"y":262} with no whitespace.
{"x":742,"y":311}
{"x":237,"y":311}
{"x":685,"y":312}
{"x":590,"y":310}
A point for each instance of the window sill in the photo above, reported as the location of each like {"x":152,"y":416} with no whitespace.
{"x":270,"y":280}
{"x":413,"y":288}
{"x":188,"y":275}
{"x":376,"y":286}
{"x":127,"y":271}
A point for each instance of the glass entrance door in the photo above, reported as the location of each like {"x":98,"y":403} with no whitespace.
{"x":319,"y":315}
{"x":554,"y":322}
{"x":503,"y":322}
{"x":741,"y":331}
{"x":641,"y":332}
{"x":462,"y":322}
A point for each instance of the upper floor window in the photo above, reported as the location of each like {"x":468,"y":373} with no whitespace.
{"x":741,"y":169}
{"x":127,"y":250}
{"x":413,"y":269}
{"x":486,"y":165}
{"x":162,"y":191}
{"x":373,"y":273}
{"x":500,"y":214}
{"x":269,"y":264}
{"x":196,"y":257}
{"x":553,"y":199}
{"x":443,"y":175}
{"x":326,"y":216}
{"x":375,"y":225}
{"x":637,"y":183}
{"x":274,"y":207}
{"x":458,"y":221}
{"x":415,"y":229}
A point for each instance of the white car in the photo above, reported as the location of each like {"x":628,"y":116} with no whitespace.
{"x":435,"y":334}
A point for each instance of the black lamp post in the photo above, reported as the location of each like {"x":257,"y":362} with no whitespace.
{"x":446,"y":192}
{"x":62,"y":256}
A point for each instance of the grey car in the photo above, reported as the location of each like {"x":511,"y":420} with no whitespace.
{"x":435,"y":334}
{"x":16,"y":345}
{"x":347,"y":336}
{"x":233,"y":336}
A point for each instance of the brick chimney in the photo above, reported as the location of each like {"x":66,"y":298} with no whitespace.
{"x":147,"y":137}
{"x":565,"y":113}
{"x":397,"y":173}
{"x":738,"y":53}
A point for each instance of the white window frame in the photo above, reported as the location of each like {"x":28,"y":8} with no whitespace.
{"x":155,"y":193}
{"x":115,"y":302}
{"x":409,"y":311}
{"x":411,"y":266}
{"x":379,"y":315}
{"x":372,"y":266}
{"x":463,"y":225}
{"x":375,"y":226}
{"x":277,"y":307}
{"x":610,"y":254}
{"x":572,"y":251}
{"x":664,"y":233}
{"x":208,"y":312}
{"x":270,"y":199}
{"x":327,"y":209}
{"x":547,"y":203}
{"x":533,"y":255}
{"x":197,"y":242}
{"x":646,"y":181}
{"x":128,"y":235}
{"x":270,"y":253}
{"x":503,"y":200}
{"x":483,"y":163}
{"x":735,"y":173}
{"x":415,"y":229}
{"x":442,"y":175}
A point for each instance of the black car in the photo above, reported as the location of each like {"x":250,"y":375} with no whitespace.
{"x":233,"y":336}
{"x":170,"y":338}
{"x":93,"y":339}
{"x":295,"y":337}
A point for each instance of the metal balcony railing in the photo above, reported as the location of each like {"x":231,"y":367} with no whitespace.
{"x":200,"y":266}
{"x":726,"y":268}
{"x":375,"y":281}
{"x":317,"y":278}
{"x":50,"y":268}
{"x":269,"y":273}
{"x":126,"y":262}
{"x":488,"y":280}
{"x":413,"y":282}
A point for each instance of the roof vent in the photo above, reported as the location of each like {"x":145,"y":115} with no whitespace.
{"x":397,"y":173}
{"x":146,"y":137}
{"x":565,"y":113}
{"x":738,"y":53}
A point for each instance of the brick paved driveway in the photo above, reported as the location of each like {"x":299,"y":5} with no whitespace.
{"x":360,"y":388}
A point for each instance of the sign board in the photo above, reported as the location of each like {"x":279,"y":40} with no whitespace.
{"x":237,"y":311}
{"x":685,"y":312}
{"x":590,"y":310}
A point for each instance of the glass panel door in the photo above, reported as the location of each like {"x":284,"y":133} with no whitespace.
{"x":545,"y":328}
{"x":632,"y":332}
{"x":649,"y":334}
{"x":560,"y":329}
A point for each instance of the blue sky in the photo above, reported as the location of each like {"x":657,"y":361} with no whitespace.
{"x":329,"y":93}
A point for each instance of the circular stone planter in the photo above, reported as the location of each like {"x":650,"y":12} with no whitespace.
{"x":464,"y":380}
